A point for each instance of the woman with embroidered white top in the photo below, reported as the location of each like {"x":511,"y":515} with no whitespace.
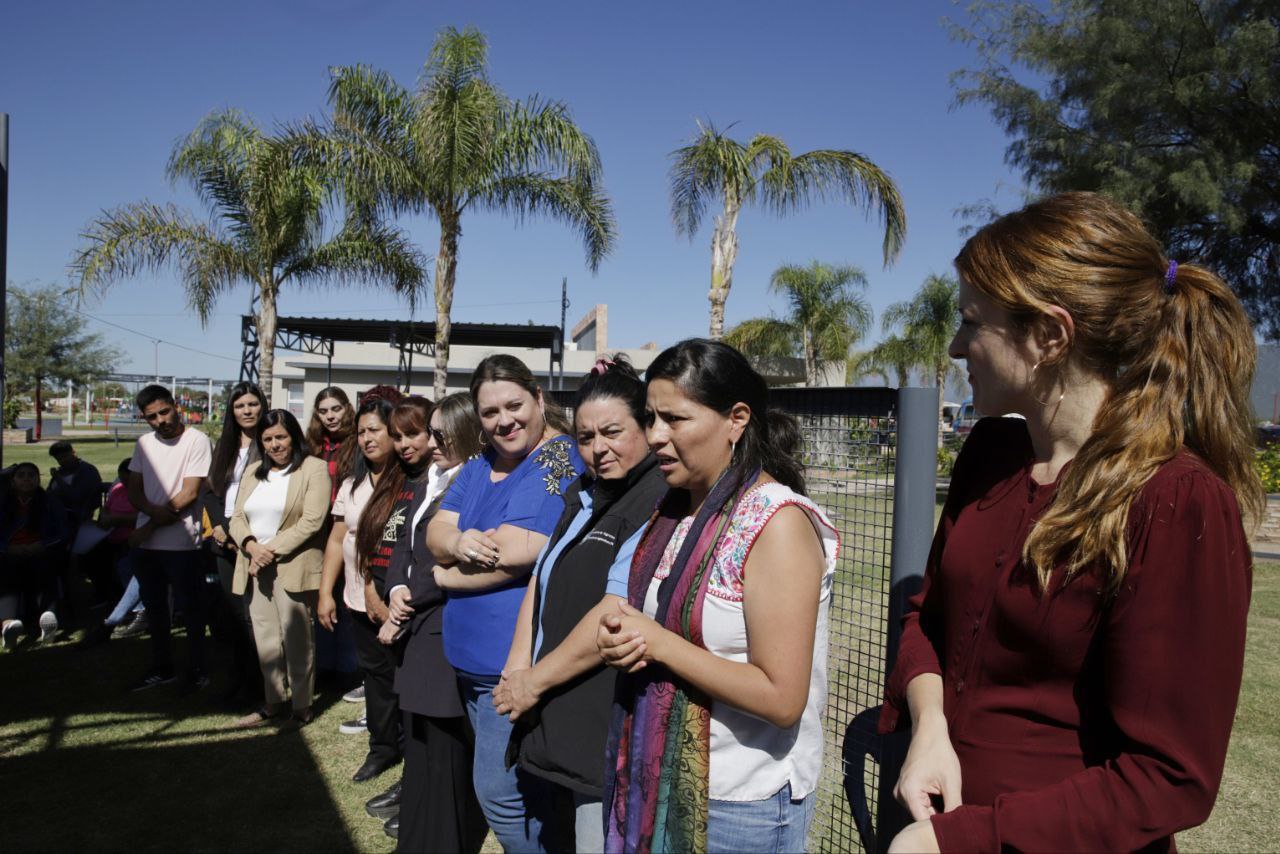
{"x":721,"y":628}
{"x":278,"y":526}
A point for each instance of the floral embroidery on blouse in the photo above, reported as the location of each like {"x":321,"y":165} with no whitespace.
{"x":554,"y":460}
{"x":731,"y":553}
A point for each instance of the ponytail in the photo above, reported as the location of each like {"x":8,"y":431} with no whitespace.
{"x":1172,"y":340}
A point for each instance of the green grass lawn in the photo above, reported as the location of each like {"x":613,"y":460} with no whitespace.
{"x":103,"y":452}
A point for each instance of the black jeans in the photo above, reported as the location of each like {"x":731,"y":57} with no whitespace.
{"x":157,"y":571}
{"x":382,"y":705}
{"x":230,"y":625}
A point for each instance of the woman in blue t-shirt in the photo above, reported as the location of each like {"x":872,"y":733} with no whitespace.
{"x":487,"y":534}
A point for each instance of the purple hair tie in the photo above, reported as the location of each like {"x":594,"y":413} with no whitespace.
{"x":601,"y":367}
{"x":1170,"y":275}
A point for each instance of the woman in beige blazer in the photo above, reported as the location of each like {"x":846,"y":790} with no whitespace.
{"x":278,"y":524}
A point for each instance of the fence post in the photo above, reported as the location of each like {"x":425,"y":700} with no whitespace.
{"x":915,"y":472}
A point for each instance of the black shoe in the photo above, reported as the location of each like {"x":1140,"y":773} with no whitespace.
{"x":153,"y":679}
{"x":100,"y":633}
{"x":194,"y":680}
{"x":386,"y":805}
{"x":372,"y":767}
{"x":392,"y":827}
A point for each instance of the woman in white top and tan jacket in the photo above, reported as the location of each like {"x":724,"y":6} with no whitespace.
{"x":278,"y":526}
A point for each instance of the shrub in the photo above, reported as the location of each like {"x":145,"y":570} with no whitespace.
{"x":946,"y":461}
{"x":1268,"y":461}
{"x":12,"y":409}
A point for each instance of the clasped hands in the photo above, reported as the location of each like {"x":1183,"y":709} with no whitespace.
{"x":398,"y":611}
{"x":628,"y":640}
{"x":260,"y":557}
{"x":476,"y":547}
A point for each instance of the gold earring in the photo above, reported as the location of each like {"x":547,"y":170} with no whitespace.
{"x":1031,"y":381}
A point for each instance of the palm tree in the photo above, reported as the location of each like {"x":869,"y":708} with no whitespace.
{"x":928,"y":322}
{"x":455,"y":144}
{"x":862,"y":363}
{"x":827,"y":317}
{"x":714,"y":167}
{"x":893,"y":354}
{"x":267,"y":230}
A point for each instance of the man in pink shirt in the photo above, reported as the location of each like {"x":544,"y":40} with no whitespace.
{"x":165,"y":474}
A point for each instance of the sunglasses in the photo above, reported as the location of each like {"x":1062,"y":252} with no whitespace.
{"x":438,"y":436}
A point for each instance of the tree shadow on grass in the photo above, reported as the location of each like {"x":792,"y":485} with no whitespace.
{"x":85,"y":765}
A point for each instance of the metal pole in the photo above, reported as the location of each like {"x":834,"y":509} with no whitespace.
{"x":88,"y":402}
{"x":71,"y":404}
{"x":4,"y":250}
{"x":915,"y":474}
{"x":208,"y":404}
{"x":564,"y":307}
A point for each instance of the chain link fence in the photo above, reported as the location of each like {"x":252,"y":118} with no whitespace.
{"x":849,"y":450}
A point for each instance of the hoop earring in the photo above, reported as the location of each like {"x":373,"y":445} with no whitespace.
{"x":733,"y":452}
{"x":484,"y":440}
{"x":1031,"y":381}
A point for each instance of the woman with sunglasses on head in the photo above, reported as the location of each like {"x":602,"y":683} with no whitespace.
{"x":278,"y":526}
{"x":1070,"y":669}
{"x":555,"y":688}
{"x":485,"y":538}
{"x":720,"y":625}
{"x":235,"y":453}
{"x":375,"y":463}
{"x":438,"y":810}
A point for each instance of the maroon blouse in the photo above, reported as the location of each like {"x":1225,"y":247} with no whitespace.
{"x":1082,"y":722}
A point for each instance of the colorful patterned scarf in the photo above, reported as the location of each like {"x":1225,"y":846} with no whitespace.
{"x":657,"y":763}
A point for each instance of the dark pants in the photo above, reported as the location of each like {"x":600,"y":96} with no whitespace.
{"x":29,"y":586}
{"x":230,"y":624}
{"x":183,"y":571}
{"x":438,"y":806}
{"x":382,"y":706}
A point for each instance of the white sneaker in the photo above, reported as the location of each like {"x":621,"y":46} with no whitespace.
{"x":48,"y":626}
{"x":12,"y":634}
{"x":355,"y":695}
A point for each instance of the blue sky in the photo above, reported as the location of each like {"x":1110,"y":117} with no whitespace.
{"x":98,"y":93}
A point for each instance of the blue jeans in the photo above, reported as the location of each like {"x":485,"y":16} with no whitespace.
{"x":588,"y":823}
{"x":132,"y":598}
{"x":516,"y":804}
{"x":775,"y":824}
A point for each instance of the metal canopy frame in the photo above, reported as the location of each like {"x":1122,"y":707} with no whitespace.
{"x":317,"y":336}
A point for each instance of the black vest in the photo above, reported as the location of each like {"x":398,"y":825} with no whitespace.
{"x":563,"y":738}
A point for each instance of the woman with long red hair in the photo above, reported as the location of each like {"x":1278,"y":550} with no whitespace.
{"x":1070,"y":668}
